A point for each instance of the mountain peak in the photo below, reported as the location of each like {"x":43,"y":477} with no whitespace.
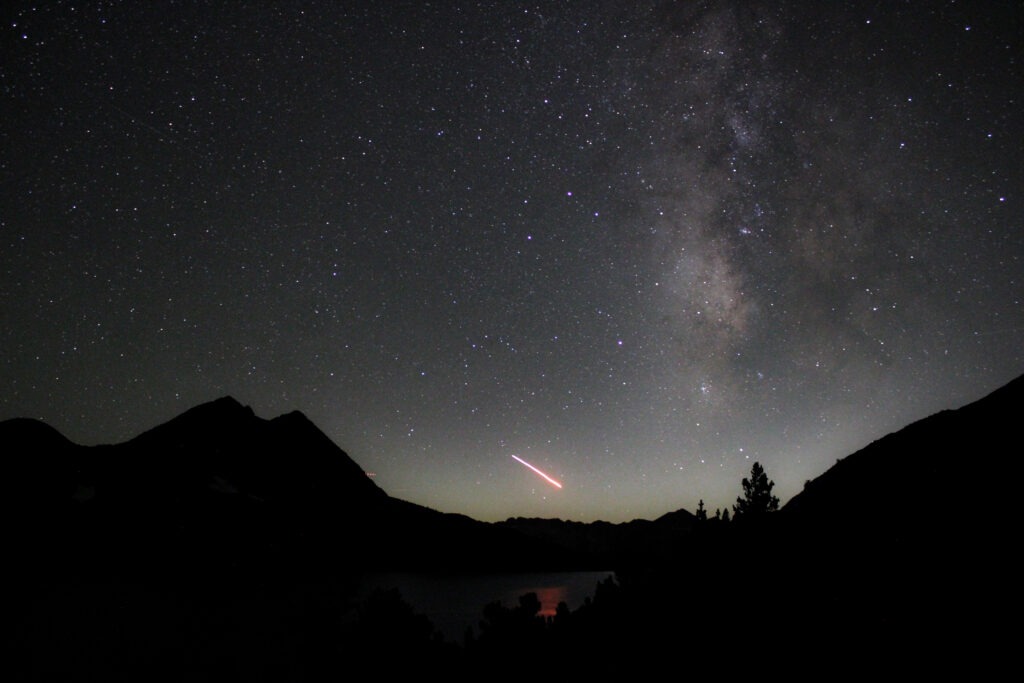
{"x":225,"y":405}
{"x":26,"y":430}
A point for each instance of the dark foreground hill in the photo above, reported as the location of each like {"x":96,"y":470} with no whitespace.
{"x":936,"y":477}
{"x":901,"y":555}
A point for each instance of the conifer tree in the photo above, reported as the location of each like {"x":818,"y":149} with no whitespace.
{"x":757,"y":495}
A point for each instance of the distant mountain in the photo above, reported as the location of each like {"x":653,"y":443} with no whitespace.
{"x":608,"y":544}
{"x":286,"y":459}
{"x":900,"y":557}
{"x":220,"y":489}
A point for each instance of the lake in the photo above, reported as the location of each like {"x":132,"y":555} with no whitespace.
{"x":454,"y":603}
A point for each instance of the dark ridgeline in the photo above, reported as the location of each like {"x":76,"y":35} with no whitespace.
{"x":603,"y":544}
{"x":218,"y":491}
{"x":228,"y":537}
{"x":899,"y":555}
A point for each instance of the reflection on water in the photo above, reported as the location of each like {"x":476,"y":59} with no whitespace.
{"x":549,"y":597}
{"x":455,"y":603}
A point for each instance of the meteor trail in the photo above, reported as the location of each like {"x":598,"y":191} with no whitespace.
{"x":552,"y":481}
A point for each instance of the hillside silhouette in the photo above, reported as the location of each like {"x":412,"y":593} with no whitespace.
{"x":218,"y":490}
{"x":898,"y":555}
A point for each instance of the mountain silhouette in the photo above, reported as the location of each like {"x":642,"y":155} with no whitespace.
{"x":249,"y":454}
{"x":899,"y":555}
{"x":607,"y":544}
{"x":901,"y":552}
{"x":916,"y":478}
{"x":219,"y":489}
{"x":912,"y":537}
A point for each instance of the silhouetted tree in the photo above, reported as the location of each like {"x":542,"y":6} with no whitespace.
{"x":725,"y":515}
{"x":757,"y":495}
{"x":702,"y":514}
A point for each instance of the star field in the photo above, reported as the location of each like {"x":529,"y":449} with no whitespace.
{"x":640,"y":247}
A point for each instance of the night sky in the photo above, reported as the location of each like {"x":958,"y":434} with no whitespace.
{"x":639,"y":245}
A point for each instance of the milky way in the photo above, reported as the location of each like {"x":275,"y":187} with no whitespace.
{"x":641,"y":247}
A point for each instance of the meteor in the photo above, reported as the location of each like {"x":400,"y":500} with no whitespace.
{"x":550,"y":480}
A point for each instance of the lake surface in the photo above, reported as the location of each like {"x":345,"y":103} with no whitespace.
{"x":454,"y":603}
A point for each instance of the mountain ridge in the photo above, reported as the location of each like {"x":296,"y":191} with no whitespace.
{"x":219,"y":486}
{"x":219,"y":482}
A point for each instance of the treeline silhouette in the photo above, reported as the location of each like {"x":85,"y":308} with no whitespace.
{"x":265,"y":630}
{"x":737,"y":597}
{"x":740,"y":595}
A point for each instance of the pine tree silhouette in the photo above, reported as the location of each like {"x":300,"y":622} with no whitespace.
{"x":757,"y":495}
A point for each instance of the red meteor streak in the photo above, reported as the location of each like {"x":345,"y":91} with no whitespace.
{"x":537,"y":471}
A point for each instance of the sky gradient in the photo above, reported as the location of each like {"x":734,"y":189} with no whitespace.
{"x":638,"y":246}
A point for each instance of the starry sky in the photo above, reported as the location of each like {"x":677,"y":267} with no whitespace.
{"x":638,"y":245}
